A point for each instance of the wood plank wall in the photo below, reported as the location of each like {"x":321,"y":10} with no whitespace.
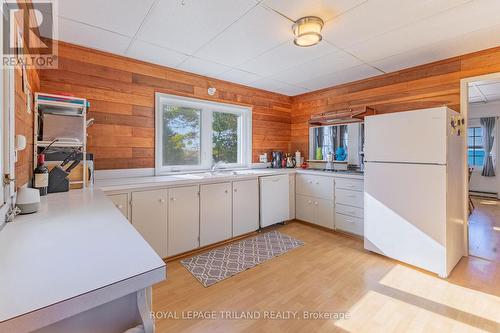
{"x":121,"y":94}
{"x":429,"y":85}
{"x":23,"y":123}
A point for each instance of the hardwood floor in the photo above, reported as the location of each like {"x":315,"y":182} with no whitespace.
{"x":484,"y":229}
{"x":332,"y":274}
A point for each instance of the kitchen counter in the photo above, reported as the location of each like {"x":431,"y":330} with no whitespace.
{"x":76,"y":253}
{"x":181,"y":179}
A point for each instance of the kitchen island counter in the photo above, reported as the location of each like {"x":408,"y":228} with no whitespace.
{"x":76,"y":253}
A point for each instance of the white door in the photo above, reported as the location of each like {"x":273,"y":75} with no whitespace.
{"x":414,"y":136}
{"x":274,"y":200}
{"x":149,"y":217}
{"x":215,"y":213}
{"x":245,"y":206}
{"x":405,"y":213}
{"x":183,"y":219}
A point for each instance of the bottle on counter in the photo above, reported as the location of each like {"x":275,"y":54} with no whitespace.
{"x":41,"y":179}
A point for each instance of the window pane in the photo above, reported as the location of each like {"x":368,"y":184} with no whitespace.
{"x":181,"y":135}
{"x":479,"y":156}
{"x":225,"y":137}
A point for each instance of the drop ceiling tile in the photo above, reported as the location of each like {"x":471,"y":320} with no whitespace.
{"x":473,"y":16}
{"x":373,"y":18}
{"x":186,"y":28}
{"x":259,"y":30}
{"x":202,"y":67}
{"x":277,"y":86}
{"x":291,"y":90}
{"x":151,"y":53}
{"x":329,"y":63}
{"x":345,"y":76}
{"x":473,"y":91}
{"x":121,"y":16}
{"x":238,"y":76}
{"x":476,"y":99}
{"x":285,"y":56}
{"x":492,"y":89}
{"x":85,"y":35}
{"x":463,"y":44}
{"x":325,"y":9}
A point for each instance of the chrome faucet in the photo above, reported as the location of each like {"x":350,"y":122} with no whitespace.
{"x":216,"y":165}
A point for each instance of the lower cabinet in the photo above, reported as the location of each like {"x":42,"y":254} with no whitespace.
{"x":183,"y":219}
{"x":121,"y":202}
{"x":245,"y":206}
{"x":149,"y":217}
{"x":315,"y":210}
{"x":291,"y":195}
{"x":215,"y":213}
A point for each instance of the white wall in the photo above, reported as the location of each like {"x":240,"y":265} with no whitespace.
{"x":478,"y":182}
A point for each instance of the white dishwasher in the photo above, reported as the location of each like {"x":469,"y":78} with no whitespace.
{"x":274,"y":200}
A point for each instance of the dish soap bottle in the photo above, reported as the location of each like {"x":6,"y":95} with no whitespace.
{"x":41,"y":181}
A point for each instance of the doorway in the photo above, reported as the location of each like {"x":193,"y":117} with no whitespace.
{"x":483,"y":151}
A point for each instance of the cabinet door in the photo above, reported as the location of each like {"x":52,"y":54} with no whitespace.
{"x":215,"y":213}
{"x":245,"y":206}
{"x":304,"y":184}
{"x":304,"y":208}
{"x":291,"y":197}
{"x":324,"y":213}
{"x":183,"y":219}
{"x":149,"y":217}
{"x":121,"y":202}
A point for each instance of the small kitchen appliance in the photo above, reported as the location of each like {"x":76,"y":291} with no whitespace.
{"x":28,"y":200}
{"x":277,"y":159}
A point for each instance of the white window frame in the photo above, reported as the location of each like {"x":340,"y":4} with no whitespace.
{"x":207,"y":110}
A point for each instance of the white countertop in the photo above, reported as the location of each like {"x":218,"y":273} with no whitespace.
{"x":76,"y":243}
{"x":131,"y":183}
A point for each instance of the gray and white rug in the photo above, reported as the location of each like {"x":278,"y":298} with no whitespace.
{"x":221,"y":263}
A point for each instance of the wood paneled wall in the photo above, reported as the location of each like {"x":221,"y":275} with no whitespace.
{"x":121,"y":94}
{"x":23,"y":124}
{"x":429,"y":85}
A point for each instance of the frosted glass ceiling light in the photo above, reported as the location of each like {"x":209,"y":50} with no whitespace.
{"x":307,"y":31}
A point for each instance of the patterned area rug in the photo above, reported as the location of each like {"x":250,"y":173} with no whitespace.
{"x":221,"y":263}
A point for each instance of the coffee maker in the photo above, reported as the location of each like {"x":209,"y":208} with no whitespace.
{"x":277,"y":159}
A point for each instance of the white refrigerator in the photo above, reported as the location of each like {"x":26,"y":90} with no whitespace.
{"x":414,"y":188}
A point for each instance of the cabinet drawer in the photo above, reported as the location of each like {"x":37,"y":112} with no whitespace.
{"x":349,"y":210}
{"x":314,"y":186}
{"x":350,"y":224}
{"x":350,"y":198}
{"x":349,"y":184}
{"x":121,"y":202}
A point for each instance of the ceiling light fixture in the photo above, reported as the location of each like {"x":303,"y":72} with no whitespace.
{"x":307,"y":31}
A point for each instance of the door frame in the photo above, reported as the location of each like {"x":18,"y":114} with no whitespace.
{"x":464,"y":110}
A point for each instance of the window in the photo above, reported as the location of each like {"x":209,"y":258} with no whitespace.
{"x":475,"y":151}
{"x":193,"y":134}
{"x":328,"y":139}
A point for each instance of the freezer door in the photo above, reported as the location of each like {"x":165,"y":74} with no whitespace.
{"x":405,"y":213}
{"x":414,"y":136}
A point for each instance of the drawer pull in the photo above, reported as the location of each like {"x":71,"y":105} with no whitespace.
{"x":172,"y":198}
{"x":162,"y":200}
{"x":309,"y":202}
{"x":317,"y":183}
{"x":315,"y":203}
{"x":119,"y":206}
